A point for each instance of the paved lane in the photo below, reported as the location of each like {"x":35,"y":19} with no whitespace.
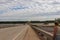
{"x":20,"y":32}
{"x":11,"y":33}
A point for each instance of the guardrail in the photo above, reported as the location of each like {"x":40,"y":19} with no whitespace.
{"x":48,"y":35}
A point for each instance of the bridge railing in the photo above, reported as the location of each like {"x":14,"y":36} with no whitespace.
{"x":48,"y":35}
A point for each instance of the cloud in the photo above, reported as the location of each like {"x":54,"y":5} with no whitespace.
{"x":29,"y":9}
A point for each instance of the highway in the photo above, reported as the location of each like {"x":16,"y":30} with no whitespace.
{"x":25,"y":32}
{"x":19,"y":32}
{"x":12,"y":33}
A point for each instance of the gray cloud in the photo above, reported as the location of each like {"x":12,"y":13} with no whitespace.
{"x":29,"y":9}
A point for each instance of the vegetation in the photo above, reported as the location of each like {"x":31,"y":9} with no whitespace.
{"x":14,"y":22}
{"x":58,"y":20}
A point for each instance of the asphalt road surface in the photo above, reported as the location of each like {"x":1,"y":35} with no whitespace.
{"x":20,"y":32}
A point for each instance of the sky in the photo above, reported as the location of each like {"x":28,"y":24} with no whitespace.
{"x":27,"y":10}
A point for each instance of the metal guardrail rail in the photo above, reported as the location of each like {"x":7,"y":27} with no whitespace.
{"x":50,"y":34}
{"x":47,"y":35}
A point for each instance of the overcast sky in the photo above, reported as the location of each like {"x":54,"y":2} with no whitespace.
{"x":22,"y":10}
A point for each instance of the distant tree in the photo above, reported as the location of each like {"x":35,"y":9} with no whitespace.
{"x":58,"y":20}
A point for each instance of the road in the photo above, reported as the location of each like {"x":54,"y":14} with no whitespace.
{"x":11,"y":32}
{"x":20,"y":32}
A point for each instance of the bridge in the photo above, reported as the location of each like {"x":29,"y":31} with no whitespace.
{"x":24,"y":32}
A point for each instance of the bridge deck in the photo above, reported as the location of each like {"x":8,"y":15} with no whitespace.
{"x":21,"y":32}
